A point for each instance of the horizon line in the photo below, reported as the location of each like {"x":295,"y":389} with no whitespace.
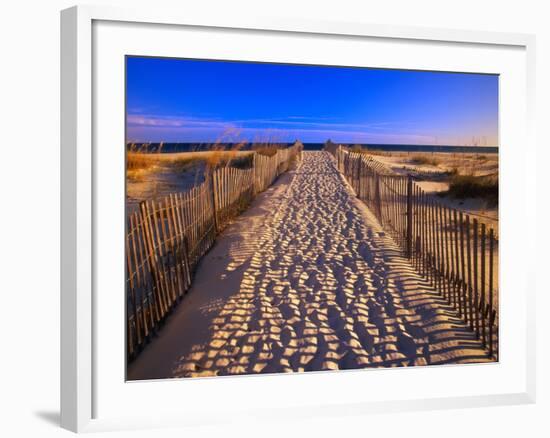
{"x":308,"y":142}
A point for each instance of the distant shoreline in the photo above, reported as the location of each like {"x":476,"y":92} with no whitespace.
{"x":195,"y":147}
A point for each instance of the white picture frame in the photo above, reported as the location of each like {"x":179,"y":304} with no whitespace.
{"x":81,"y":373}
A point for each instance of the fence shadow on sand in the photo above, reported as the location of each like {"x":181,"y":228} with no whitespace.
{"x":316,"y":286}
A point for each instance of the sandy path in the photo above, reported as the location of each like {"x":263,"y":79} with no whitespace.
{"x":306,"y":280}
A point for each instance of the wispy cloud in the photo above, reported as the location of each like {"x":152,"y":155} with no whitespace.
{"x":162,"y":121}
{"x":175,"y":128}
{"x":159,"y":121}
{"x":154,"y":127}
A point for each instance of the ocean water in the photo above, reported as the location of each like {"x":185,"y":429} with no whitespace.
{"x":190,"y":147}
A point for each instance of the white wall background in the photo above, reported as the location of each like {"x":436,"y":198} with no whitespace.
{"x":29,"y":214}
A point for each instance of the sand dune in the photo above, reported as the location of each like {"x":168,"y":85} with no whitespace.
{"x":306,"y":280}
{"x":434,"y":178}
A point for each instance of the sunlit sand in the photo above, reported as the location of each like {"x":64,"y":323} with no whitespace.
{"x":306,"y":280}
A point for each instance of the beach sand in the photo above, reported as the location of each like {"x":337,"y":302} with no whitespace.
{"x":305,"y":280}
{"x":438,"y":162}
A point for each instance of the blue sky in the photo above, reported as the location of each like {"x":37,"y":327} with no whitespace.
{"x":177,"y":100}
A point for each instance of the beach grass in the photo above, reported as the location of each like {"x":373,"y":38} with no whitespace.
{"x":421,"y":159}
{"x":469,"y":186}
{"x":141,"y":159}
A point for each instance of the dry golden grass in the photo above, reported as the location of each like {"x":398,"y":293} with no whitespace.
{"x":136,"y":157}
{"x":145,"y":158}
{"x":215,"y":155}
{"x":268,"y":149}
{"x":424,"y":159}
{"x":138,"y":160}
{"x":220,"y":156}
{"x":452,"y":163}
{"x":139,"y":157}
{"x":469,"y":186}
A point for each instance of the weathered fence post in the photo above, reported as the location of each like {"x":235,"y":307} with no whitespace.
{"x":165,"y":239}
{"x":358,"y":165}
{"x":449,"y":250}
{"x":491,"y":318}
{"x":214,"y":203}
{"x":409,"y":216}
{"x":255,"y":190}
{"x":377,"y":198}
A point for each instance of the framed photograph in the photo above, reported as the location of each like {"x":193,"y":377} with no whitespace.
{"x":301,"y":218}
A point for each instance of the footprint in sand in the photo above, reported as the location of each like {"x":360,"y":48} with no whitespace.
{"x":317,"y":293}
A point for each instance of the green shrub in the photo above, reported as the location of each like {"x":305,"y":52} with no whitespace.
{"x":469,"y":186}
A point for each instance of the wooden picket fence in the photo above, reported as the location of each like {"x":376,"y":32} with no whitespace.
{"x":268,"y":168}
{"x":166,"y":239}
{"x":455,"y":253}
